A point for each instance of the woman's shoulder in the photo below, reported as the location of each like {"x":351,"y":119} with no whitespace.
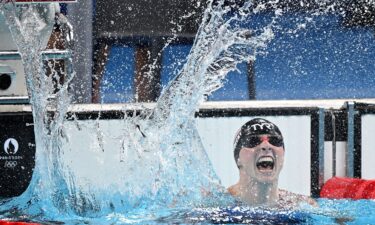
{"x":233,"y":190}
{"x":290,"y":198}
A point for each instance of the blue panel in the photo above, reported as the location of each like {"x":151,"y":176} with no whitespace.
{"x":117,"y":85}
{"x":236,"y":86}
{"x":325,"y":60}
{"x":307,"y":59}
{"x":236,"y":83}
{"x":174,"y":57}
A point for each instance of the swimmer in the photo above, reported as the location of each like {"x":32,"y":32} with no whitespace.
{"x":259,"y":155}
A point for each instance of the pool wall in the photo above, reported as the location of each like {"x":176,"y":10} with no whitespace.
{"x":307,"y":127}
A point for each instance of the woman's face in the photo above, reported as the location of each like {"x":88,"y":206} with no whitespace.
{"x":263,"y":162}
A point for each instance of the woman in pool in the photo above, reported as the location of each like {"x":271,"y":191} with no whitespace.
{"x":259,"y":155}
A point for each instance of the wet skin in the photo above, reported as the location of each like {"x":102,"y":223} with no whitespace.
{"x":263,"y":162}
{"x":260,"y":167}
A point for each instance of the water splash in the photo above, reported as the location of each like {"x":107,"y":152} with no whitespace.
{"x":29,"y":26}
{"x":162,"y":152}
{"x":168,"y":169}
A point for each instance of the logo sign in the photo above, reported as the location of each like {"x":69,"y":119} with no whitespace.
{"x":261,"y":126}
{"x":10,"y":164}
{"x":11,"y":158}
{"x":11,"y":146}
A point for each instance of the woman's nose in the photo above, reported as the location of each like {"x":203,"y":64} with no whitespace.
{"x":265,"y":146}
{"x":269,"y":148}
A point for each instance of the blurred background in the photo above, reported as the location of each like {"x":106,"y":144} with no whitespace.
{"x":128,"y":51}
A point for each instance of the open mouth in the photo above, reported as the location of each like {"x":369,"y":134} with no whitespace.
{"x":265,"y":164}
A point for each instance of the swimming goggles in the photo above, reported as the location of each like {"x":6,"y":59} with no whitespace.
{"x":255,"y":140}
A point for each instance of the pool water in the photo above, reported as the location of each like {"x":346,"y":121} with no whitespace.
{"x":344,"y":212}
{"x":328,"y":212}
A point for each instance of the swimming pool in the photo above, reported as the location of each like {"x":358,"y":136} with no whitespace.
{"x":155,"y":168}
{"x":328,"y":212}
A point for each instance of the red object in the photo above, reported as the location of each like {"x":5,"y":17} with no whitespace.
{"x":265,"y":138}
{"x":16,"y":223}
{"x":352,"y":188}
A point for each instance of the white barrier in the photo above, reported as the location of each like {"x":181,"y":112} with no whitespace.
{"x":308,"y":140}
{"x":368,"y":146}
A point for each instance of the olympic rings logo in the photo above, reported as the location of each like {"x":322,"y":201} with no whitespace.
{"x":10,"y":164}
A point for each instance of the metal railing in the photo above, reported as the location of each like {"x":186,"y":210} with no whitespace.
{"x":46,"y":55}
{"x":65,"y":55}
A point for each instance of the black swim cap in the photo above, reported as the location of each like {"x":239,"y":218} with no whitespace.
{"x":254,"y":127}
